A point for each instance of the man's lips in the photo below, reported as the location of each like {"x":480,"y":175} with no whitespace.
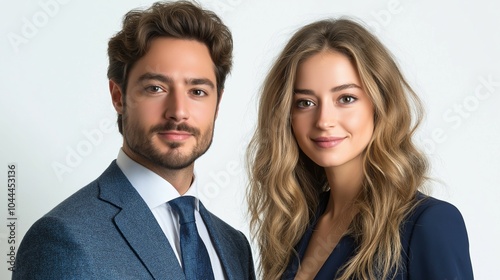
{"x":174,"y":135}
{"x":327,"y":142}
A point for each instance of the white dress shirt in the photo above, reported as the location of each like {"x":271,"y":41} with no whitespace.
{"x":156,"y":192}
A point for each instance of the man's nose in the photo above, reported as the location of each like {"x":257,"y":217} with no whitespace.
{"x":177,"y":106}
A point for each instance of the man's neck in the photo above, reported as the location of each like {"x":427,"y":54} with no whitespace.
{"x":180,"y":179}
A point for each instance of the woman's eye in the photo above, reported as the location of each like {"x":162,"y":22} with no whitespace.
{"x":347,"y":99}
{"x":305,"y":103}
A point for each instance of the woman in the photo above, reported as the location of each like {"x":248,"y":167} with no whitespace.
{"x":334,"y":174}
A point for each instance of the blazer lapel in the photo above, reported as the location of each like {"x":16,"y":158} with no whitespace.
{"x":224,"y":246}
{"x":138,"y":225}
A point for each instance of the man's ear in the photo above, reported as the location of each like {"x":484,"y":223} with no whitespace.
{"x":218,"y":102}
{"x":116,"y":96}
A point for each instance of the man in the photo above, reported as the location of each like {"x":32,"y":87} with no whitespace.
{"x":167,"y":69}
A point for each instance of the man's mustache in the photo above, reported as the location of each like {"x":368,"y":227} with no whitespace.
{"x":173,"y":126}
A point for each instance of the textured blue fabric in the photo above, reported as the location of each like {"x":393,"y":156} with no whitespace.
{"x":106,"y":231}
{"x":195,"y":259}
{"x":433,"y":238}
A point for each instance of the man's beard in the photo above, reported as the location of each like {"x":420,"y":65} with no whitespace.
{"x":141,"y":143}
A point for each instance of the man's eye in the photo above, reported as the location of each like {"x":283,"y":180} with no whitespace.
{"x":154,"y":89}
{"x":199,"y":92}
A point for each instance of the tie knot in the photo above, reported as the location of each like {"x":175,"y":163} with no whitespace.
{"x":184,"y":206}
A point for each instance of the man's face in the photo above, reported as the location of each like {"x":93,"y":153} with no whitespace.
{"x":171,"y":104}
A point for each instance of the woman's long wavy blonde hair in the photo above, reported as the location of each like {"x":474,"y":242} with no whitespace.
{"x":285,"y":185}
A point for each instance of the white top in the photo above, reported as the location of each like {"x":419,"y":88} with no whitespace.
{"x":156,"y":192}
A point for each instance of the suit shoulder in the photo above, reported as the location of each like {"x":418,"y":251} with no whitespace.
{"x":49,"y":250}
{"x":438,"y":246}
{"x":78,"y":203}
{"x":434,"y":221}
{"x":431,"y":211}
{"x":64,"y":221}
{"x":87,"y":202}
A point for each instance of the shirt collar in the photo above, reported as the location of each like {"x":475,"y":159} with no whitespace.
{"x":151,"y":187}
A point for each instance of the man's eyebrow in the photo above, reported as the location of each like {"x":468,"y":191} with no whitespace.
{"x":167,"y":80}
{"x":334,"y":89}
{"x":154,"y":76}
{"x":200,"y":81}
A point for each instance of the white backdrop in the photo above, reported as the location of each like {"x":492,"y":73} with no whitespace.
{"x":58,"y":124}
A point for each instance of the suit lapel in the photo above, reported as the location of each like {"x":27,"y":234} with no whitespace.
{"x":138,"y":225}
{"x":225,"y":247}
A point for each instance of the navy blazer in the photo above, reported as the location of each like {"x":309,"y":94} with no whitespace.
{"x":106,"y":231}
{"x":434,"y":240}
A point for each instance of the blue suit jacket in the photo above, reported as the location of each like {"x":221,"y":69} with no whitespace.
{"x":106,"y":231}
{"x":434,"y":241}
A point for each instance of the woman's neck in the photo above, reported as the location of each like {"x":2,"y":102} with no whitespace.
{"x":345,"y":183}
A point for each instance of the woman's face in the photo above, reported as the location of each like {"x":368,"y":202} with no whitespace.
{"x":332,"y":116}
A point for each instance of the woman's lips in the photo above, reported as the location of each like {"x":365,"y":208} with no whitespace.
{"x":327,"y":142}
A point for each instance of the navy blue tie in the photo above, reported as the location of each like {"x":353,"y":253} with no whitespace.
{"x":195,"y":259}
